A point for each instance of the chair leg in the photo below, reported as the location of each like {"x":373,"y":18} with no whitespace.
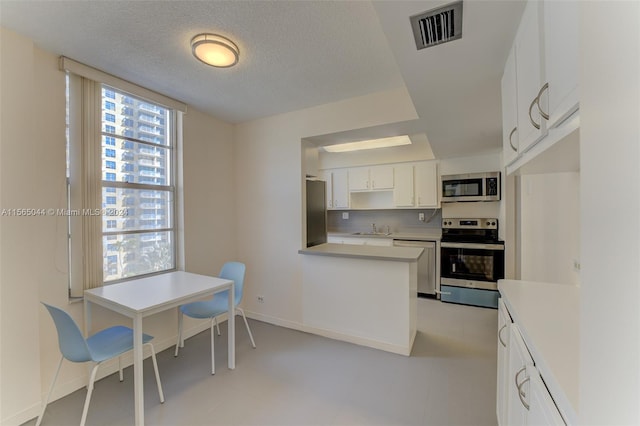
{"x":213,"y":353}
{"x":46,"y":401}
{"x":253,"y":343}
{"x":179,"y":342}
{"x":120,"y":368}
{"x":217,"y":326}
{"x":92,"y":379}
{"x":155,"y":369}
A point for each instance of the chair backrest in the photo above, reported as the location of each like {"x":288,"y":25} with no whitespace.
{"x":234,"y":271}
{"x":72,"y":344}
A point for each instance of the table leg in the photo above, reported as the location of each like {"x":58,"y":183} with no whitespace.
{"x":231,"y":330}
{"x":87,"y":317}
{"x":138,"y":383}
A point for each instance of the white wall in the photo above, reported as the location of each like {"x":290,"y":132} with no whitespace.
{"x":610,"y":207}
{"x":33,"y":257}
{"x":209,"y":194}
{"x":269,"y":194}
{"x":550,"y":227}
{"x":32,"y":176}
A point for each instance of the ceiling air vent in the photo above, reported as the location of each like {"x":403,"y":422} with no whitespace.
{"x":437,"y":26}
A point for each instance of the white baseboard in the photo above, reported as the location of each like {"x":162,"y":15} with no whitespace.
{"x":362,"y":341}
{"x":23,"y":416}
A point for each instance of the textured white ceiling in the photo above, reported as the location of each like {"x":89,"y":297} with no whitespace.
{"x":293,"y":54}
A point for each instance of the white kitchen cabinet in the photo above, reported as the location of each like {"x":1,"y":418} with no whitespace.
{"x":542,"y":409}
{"x":527,"y":399}
{"x":371,"y":178}
{"x":517,"y":395}
{"x":561,"y":60}
{"x":340,"y":189}
{"x":381,"y":177}
{"x":416,"y":185}
{"x":403,"y":191}
{"x":547,"y":56}
{"x":510,"y":109}
{"x":426,"y":184}
{"x":359,"y":179}
{"x":327,"y":176}
{"x":504,"y":325}
{"x":337,"y":189}
{"x":529,"y":76}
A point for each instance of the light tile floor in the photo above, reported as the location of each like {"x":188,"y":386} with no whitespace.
{"x":294,"y":378}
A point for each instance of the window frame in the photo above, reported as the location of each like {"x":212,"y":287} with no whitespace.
{"x":83,"y":106}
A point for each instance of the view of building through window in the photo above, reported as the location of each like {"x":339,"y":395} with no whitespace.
{"x":137,"y":186}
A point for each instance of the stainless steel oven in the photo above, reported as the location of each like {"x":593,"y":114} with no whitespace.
{"x":471,"y":261}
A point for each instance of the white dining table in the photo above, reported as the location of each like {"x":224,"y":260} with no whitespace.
{"x":142,"y":297}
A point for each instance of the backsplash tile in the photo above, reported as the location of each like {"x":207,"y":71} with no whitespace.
{"x":398,"y":220}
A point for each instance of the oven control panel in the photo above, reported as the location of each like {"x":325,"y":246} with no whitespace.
{"x":483,"y":223}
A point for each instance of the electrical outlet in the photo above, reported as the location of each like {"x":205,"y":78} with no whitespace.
{"x":421,"y":217}
{"x":260,"y":299}
{"x":345,"y":215}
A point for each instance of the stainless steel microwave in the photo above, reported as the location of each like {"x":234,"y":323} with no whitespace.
{"x":471,"y":187}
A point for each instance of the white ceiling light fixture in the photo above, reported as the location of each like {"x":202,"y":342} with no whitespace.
{"x":215,"y":50}
{"x":369,"y":144}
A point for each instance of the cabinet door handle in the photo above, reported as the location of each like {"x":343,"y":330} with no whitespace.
{"x":521,"y":394}
{"x":510,"y":136}
{"x":536,"y":125}
{"x":542,"y":89}
{"x":518,"y":374}
{"x":500,"y":335}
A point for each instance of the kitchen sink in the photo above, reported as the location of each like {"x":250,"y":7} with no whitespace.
{"x":372,"y":233}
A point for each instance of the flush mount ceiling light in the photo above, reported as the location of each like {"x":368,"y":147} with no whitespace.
{"x":369,"y":144}
{"x":215,"y":50}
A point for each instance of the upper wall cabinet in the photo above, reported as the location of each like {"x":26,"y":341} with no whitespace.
{"x":403,"y":193}
{"x":562,"y":60}
{"x":543,"y":68}
{"x":416,"y":185}
{"x":371,"y":178}
{"x":337,"y":189}
{"x":510,"y":109}
{"x":402,"y":185}
{"x":427,"y":184}
{"x":528,"y":52}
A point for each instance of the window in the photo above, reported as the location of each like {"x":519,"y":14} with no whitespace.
{"x":140,"y":191}
{"x":120,"y":178}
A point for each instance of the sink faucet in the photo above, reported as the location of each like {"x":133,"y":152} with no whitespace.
{"x":373,"y":228}
{"x":388,"y":230}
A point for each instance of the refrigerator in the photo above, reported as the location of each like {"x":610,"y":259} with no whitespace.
{"x":316,"y":213}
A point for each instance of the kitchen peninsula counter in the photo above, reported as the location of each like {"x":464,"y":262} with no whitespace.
{"x":395,"y":254}
{"x":361,"y":294}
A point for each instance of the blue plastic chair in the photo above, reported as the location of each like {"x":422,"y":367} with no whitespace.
{"x":102,"y":346}
{"x":218,"y":305}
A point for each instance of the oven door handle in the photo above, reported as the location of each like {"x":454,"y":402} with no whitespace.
{"x":472,"y":246}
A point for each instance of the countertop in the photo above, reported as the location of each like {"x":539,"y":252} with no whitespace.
{"x":548,"y":317}
{"x":429,"y":235}
{"x":396,"y":254}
